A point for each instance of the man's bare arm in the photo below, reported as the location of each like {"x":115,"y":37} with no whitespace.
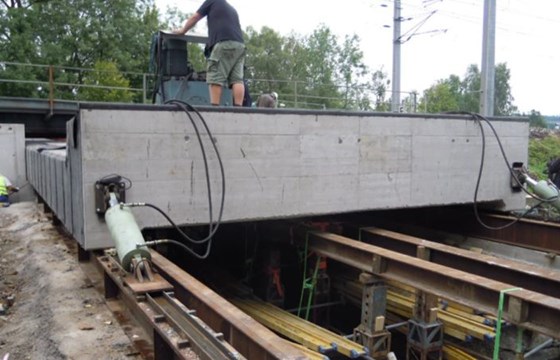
{"x":189,"y":24}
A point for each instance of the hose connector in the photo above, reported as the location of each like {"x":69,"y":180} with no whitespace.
{"x":134,"y":204}
{"x":152,"y":243}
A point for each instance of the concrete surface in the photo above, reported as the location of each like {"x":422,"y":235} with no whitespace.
{"x":12,"y":159}
{"x":285,"y":164}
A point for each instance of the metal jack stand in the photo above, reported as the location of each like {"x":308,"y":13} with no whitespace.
{"x":371,"y":332}
{"x":424,"y":341}
{"x":425,"y":333}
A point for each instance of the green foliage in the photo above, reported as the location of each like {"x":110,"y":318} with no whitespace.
{"x":455,"y":94}
{"x":105,"y":83}
{"x":503,"y":99}
{"x":318,"y":70}
{"x":379,"y":85}
{"x":469,"y":90}
{"x":314,"y":71}
{"x":541,"y":151}
{"x":537,"y":120}
{"x":442,"y":97}
{"x":74,"y":33}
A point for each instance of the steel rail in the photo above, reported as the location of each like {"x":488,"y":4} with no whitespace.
{"x":167,"y":342}
{"x":538,"y":279}
{"x":526,"y":308}
{"x":203,"y":341}
{"x":251,"y":339}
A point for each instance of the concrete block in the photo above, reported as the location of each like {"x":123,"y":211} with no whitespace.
{"x":385,"y":154}
{"x":12,"y":159}
{"x":277,"y":164}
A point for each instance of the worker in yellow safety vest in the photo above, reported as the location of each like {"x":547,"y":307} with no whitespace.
{"x":6,"y":188}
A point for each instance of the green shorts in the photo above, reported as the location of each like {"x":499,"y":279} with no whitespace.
{"x":225,"y":64}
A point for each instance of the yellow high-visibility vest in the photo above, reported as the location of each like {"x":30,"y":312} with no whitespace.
{"x":3,"y":187}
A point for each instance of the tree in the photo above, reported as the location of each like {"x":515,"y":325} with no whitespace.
{"x":379,"y":84}
{"x":351,"y":74}
{"x":537,"y":120}
{"x":454,"y":94}
{"x":443,"y":96}
{"x":106,"y":83}
{"x":321,"y":48}
{"x":469,"y":94}
{"x":503,"y":99}
{"x":266,"y":57}
{"x":311,"y":71}
{"x":314,"y":71}
{"x":76,"y":34}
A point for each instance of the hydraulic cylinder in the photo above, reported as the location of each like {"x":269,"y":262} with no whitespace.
{"x":126,"y":234}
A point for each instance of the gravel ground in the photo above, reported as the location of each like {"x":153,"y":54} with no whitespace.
{"x":49,"y":309}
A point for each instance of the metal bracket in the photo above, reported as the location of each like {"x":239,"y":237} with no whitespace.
{"x":517,"y":177}
{"x":102,"y":189}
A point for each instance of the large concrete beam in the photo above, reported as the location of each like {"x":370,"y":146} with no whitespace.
{"x":285,"y":164}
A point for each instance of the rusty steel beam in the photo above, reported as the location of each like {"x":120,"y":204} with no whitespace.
{"x":532,"y":234}
{"x":250,"y":338}
{"x":526,"y":308}
{"x":544,"y":281}
{"x":166,"y":341}
{"x":527,"y":233}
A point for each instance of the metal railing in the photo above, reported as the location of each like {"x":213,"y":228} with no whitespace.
{"x":45,"y":80}
{"x":52,"y":82}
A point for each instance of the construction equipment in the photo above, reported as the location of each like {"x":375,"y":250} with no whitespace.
{"x":546,"y":190}
{"x":176,"y":77}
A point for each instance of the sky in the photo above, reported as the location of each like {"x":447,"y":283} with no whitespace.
{"x":447,"y":43}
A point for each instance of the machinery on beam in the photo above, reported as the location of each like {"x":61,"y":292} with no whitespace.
{"x":176,"y":78}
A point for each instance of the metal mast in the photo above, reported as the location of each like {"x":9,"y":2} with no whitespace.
{"x":396,"y":93}
{"x":488,"y":67}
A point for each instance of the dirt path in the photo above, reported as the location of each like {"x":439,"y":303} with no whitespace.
{"x":48,"y":307}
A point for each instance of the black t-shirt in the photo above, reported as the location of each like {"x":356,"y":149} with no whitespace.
{"x":554,"y":171}
{"x":223,"y":21}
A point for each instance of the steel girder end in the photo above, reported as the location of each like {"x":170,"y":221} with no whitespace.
{"x":322,"y":349}
{"x":334,"y":346}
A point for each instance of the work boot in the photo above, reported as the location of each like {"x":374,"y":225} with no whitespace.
{"x":5,"y":204}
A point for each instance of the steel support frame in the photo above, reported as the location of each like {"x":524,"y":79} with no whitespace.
{"x":528,"y":277}
{"x":374,"y":304}
{"x":531,"y":310}
{"x":424,"y":340}
{"x":378,"y":343}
